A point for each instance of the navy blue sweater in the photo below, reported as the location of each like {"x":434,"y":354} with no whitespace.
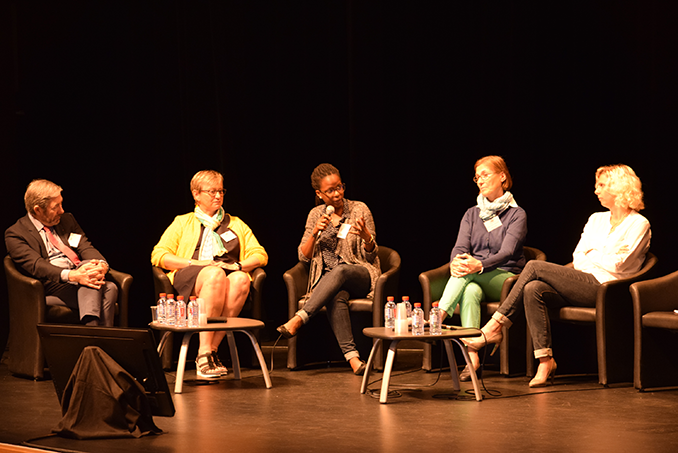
{"x":502,"y":248}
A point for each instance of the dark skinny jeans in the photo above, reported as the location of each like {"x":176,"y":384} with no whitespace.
{"x":540,"y":286}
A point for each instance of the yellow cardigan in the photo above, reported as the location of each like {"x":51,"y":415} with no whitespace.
{"x":182,"y":236}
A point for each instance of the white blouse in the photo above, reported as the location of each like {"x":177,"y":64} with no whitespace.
{"x":611,"y":255}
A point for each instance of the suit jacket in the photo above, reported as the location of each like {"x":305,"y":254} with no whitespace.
{"x":27,"y":249}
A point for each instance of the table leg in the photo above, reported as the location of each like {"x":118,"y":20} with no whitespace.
{"x":454,"y":372}
{"x":235,"y":360}
{"x":181,"y":365}
{"x":386,"y":378}
{"x":368,"y":367}
{"x":474,"y":378}
{"x":260,"y":356}
{"x":163,"y":342}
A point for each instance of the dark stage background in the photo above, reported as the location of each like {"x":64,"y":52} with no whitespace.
{"x":121,"y":102}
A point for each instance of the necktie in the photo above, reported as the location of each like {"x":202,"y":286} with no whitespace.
{"x":62,"y":247}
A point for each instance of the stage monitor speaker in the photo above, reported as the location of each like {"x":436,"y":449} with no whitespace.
{"x":134,"y":350}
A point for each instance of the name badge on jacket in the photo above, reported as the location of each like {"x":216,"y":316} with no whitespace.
{"x":492,"y":224}
{"x":74,"y":240}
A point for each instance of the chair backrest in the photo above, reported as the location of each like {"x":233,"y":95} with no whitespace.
{"x":389,"y":259}
{"x":532,"y":253}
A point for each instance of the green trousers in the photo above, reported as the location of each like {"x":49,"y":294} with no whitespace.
{"x":469,"y":291}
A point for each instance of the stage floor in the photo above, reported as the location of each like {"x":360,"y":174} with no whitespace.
{"x":321,"y":409}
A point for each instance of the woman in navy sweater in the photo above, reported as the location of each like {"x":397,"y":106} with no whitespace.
{"x":489,"y":247}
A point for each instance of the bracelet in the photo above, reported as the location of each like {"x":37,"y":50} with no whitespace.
{"x":239,"y":265}
{"x":370,"y":241}
{"x":189,"y":262}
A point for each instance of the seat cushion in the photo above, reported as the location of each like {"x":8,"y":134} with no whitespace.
{"x":661,"y":320}
{"x":60,"y":314}
{"x":577,"y":314}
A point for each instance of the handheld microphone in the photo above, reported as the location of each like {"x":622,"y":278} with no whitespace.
{"x":329,"y":210}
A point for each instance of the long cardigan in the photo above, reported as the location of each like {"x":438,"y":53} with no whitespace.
{"x":351,"y":249}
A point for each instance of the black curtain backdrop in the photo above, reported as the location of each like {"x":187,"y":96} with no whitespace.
{"x":121,"y":102}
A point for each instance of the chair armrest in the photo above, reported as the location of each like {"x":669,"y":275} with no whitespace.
{"x":161,"y":282}
{"x":124,"y":282}
{"x":257,"y":288}
{"x":386,"y":285}
{"x":296,"y":281}
{"x":658,"y":294}
{"x":433,"y":284}
{"x":507,"y":286}
{"x":619,"y":289}
{"x":26,"y":296}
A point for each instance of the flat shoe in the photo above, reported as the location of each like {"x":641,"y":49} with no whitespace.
{"x":205,"y":367}
{"x":285,"y":333}
{"x":223,"y":371}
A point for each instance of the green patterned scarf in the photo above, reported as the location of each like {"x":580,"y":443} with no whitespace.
{"x":211,"y":241}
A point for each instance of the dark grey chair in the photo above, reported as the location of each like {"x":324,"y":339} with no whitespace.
{"x":655,"y":331}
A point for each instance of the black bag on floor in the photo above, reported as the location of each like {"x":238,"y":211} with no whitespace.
{"x":102,"y":400}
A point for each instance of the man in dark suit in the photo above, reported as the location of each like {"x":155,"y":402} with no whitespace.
{"x":49,"y":245}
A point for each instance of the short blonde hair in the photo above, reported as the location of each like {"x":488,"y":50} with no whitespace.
{"x":204,"y":178}
{"x":499,"y":166}
{"x":624,"y":185}
{"x":39,"y":193}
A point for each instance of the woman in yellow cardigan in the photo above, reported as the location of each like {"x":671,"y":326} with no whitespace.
{"x":210,"y":254}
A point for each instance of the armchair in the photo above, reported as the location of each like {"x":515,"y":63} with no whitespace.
{"x":28,"y":306}
{"x":309,"y":345}
{"x":655,"y":328}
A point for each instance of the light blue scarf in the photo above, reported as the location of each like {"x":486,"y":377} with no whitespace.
{"x":490,"y":209}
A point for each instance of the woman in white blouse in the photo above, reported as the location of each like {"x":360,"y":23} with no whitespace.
{"x":613,"y":245}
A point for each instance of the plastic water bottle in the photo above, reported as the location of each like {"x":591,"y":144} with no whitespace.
{"x":181,"y":312}
{"x":434,"y":320}
{"x":162,"y":304}
{"x":171,"y":311}
{"x":193,"y":312}
{"x":417,"y":320}
{"x":406,"y":301}
{"x":202,"y":317}
{"x":390,"y":313}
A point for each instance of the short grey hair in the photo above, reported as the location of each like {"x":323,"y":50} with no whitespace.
{"x":39,"y":193}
